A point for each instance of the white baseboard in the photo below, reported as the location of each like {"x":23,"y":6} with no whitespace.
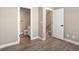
{"x":37,"y":37}
{"x":71,"y":41}
{"x":9,"y":44}
{"x":34,"y":38}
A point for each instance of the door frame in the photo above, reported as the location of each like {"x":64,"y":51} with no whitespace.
{"x":18,"y":22}
{"x":63,"y":22}
{"x":44,"y":21}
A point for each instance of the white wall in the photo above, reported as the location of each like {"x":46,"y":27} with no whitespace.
{"x":72,"y":23}
{"x":8,"y":25}
{"x":40,"y":22}
{"x":34,"y":22}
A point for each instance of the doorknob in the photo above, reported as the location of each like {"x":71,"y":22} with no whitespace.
{"x":62,"y":25}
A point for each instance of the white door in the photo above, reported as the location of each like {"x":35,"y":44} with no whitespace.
{"x":58,"y":23}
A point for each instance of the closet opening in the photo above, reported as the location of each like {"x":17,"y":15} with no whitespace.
{"x":48,"y":23}
{"x":25,"y":25}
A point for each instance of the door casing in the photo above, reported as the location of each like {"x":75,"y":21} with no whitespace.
{"x":18,"y":22}
{"x":44,"y":21}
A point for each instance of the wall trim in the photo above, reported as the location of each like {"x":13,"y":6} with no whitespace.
{"x":34,"y":38}
{"x":8,"y":44}
{"x":71,"y":41}
{"x":18,"y":23}
{"x":44,"y":21}
{"x":37,"y":37}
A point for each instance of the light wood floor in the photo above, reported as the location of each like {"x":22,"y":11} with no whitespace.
{"x":51,"y":44}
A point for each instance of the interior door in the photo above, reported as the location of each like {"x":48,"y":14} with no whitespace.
{"x":58,"y":23}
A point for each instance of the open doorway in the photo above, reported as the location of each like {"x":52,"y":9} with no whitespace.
{"x":48,"y":23}
{"x":25,"y":25}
